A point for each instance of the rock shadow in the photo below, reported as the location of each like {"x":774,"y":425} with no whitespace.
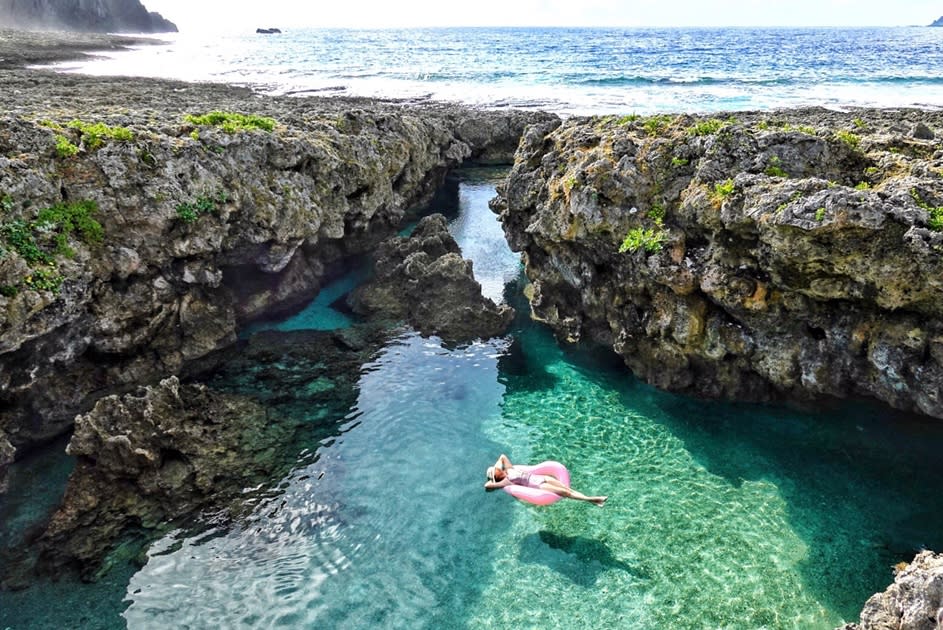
{"x":519,"y":372}
{"x":585,"y":560}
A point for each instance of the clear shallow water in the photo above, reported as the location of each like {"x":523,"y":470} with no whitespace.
{"x":585,"y":71}
{"x":719,"y":515}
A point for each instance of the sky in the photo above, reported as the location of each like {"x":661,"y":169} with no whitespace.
{"x":233,"y":15}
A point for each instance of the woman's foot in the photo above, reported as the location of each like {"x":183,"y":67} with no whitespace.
{"x":599,"y":501}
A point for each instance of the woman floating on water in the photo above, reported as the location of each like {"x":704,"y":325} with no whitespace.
{"x":541,"y":484}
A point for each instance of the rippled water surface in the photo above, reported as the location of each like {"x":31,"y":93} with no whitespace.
{"x":579,"y":70}
{"x":720,"y":515}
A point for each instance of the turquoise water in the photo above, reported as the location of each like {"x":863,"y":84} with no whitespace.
{"x":720,"y":515}
{"x":567,"y":70}
{"x":321,"y":313}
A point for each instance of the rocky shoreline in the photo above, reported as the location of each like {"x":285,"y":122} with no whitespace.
{"x":202,"y":228}
{"x":760,"y":256}
{"x":760,"y":267}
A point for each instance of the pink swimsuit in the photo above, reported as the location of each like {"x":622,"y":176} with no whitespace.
{"x":520,"y":478}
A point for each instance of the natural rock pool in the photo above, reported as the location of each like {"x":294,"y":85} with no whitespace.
{"x":719,"y":515}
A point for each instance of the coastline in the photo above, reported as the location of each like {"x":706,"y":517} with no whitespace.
{"x":19,"y":48}
{"x":155,"y":107}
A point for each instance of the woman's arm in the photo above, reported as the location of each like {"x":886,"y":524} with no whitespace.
{"x":494,"y":485}
{"x":503,"y":462}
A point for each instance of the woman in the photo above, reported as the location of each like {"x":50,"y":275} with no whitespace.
{"x":503,"y":473}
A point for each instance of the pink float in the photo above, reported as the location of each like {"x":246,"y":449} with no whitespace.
{"x":536,"y":495}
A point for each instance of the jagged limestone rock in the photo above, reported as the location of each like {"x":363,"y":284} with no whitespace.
{"x":282,"y":210}
{"x":790,"y":254}
{"x":424,"y":281}
{"x":913,"y":602}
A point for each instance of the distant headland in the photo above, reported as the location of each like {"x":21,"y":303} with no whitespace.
{"x":938,"y":21}
{"x":94,"y":16}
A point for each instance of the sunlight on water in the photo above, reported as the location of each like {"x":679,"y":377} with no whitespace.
{"x":582,"y":71}
{"x":675,"y":546}
{"x":365,"y":543}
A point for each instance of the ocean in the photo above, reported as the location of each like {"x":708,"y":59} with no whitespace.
{"x":567,"y":71}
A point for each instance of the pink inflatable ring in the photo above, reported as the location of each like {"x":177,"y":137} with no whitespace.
{"x":536,"y":495}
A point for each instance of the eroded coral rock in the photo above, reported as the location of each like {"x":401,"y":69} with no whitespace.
{"x":913,"y":602}
{"x":165,"y":288}
{"x":789,"y":254}
{"x":424,"y":281}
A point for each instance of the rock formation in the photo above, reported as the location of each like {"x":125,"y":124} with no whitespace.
{"x":791,"y":254}
{"x":424,"y":281}
{"x":173,"y":455}
{"x":937,"y":22}
{"x":913,"y":602}
{"x":99,"y":16}
{"x":203,"y":227}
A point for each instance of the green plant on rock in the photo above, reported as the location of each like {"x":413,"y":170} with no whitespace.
{"x":49,"y":124}
{"x":232,"y":122}
{"x":6,"y":203}
{"x":935,"y":220}
{"x":862,"y":186}
{"x":64,"y":147}
{"x":859,"y":123}
{"x":848,"y":138}
{"x":723,"y":189}
{"x":19,"y":236}
{"x":656,"y":124}
{"x":774,"y":168}
{"x":38,"y":241}
{"x":45,"y":278}
{"x":679,"y":161}
{"x":95,"y":134}
{"x":189,"y":212}
{"x":625,"y":120}
{"x":650,"y":239}
{"x":820,"y":214}
{"x":706,"y":127}
{"x":657,"y":214}
{"x":62,"y":219}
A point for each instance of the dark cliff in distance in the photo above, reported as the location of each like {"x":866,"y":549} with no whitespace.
{"x":102,"y":16}
{"x":938,"y":21}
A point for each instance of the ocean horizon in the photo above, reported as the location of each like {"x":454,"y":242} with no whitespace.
{"x":569,"y":71}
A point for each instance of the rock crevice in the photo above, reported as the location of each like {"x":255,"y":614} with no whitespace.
{"x":203,"y":229}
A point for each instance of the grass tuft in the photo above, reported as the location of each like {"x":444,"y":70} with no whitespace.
{"x":232,"y":122}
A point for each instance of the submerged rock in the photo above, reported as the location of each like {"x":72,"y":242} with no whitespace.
{"x":176,"y":455}
{"x":424,"y":281}
{"x":790,"y":254}
{"x":913,"y":602}
{"x":145,"y":459}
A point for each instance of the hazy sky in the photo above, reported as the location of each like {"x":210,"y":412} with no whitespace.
{"x":192,"y":15}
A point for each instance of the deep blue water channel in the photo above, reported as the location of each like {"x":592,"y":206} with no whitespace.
{"x":720,"y":515}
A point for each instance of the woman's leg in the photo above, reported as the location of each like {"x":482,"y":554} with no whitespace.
{"x":552,"y":484}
